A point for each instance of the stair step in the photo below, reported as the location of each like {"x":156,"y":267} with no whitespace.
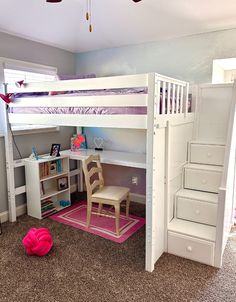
{"x":206,"y":153}
{"x":193,"y":229}
{"x":198,"y":195}
{"x":218,"y":143}
{"x":202,"y":177}
{"x":204,"y":167}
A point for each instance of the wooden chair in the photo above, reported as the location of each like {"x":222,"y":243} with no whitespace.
{"x":103,"y":195}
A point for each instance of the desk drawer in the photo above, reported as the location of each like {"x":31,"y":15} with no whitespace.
{"x":202,"y":180}
{"x":191,"y":248}
{"x":207,"y":154}
{"x":196,"y":210}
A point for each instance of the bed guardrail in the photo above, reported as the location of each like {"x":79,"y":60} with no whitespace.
{"x":172,"y":96}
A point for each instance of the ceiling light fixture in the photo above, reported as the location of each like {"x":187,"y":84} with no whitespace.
{"x":88,"y":15}
{"x":53,"y":1}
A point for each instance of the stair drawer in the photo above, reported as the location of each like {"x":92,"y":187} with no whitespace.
{"x":196,"y":211}
{"x":202,"y":180}
{"x":207,"y":154}
{"x":191,"y":248}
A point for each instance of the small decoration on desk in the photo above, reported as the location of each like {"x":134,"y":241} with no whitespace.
{"x":98,"y":142}
{"x":55,"y":150}
{"x":62,"y":183}
{"x":78,"y":141}
{"x":34,"y":154}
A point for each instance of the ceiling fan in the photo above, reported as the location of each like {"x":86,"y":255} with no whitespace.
{"x":88,"y":13}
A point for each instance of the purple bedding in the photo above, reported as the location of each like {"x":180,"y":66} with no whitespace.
{"x":95,"y":92}
{"x":84,"y":110}
{"x":81,"y":110}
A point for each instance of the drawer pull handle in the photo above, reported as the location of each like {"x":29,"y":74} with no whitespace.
{"x":209,"y":154}
{"x":204,"y":181}
{"x":197,"y":212}
{"x":189,"y":248}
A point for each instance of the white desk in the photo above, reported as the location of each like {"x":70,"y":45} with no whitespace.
{"x":135,"y":160}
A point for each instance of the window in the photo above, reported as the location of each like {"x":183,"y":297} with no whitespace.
{"x":224,"y":71}
{"x":14,"y":71}
{"x":11,"y":76}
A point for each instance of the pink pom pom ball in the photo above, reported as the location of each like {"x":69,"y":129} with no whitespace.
{"x":38,"y":242}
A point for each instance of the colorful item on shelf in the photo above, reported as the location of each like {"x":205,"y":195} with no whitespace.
{"x":78,"y":141}
{"x":38,"y":242}
{"x":64,"y":203}
{"x":75,"y":216}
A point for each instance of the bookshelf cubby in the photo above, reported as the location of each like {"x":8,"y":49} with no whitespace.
{"x":47,"y":185}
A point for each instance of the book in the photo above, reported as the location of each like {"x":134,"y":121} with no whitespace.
{"x":58,"y":163}
{"x":42,"y":190}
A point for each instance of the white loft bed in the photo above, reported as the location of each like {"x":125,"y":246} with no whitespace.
{"x":169,"y":126}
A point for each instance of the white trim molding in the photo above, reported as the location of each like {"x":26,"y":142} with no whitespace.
{"x":20,"y":210}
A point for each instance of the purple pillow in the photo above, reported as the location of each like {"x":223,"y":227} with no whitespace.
{"x":75,"y":77}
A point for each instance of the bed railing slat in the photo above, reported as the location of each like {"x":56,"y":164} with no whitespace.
{"x":163,"y":111}
{"x":168,"y":98}
{"x":158,"y":94}
{"x":181,"y":99}
{"x":177,"y":99}
{"x":173,"y":100}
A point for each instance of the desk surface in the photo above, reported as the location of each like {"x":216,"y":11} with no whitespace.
{"x":135,"y":160}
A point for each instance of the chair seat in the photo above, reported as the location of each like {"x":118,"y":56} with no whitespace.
{"x":111,"y":192}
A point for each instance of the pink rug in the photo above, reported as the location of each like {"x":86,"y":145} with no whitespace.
{"x":75,"y":216}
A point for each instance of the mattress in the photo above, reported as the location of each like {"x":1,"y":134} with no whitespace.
{"x":80,"y":110}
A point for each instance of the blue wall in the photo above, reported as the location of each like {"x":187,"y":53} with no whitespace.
{"x":188,"y":58}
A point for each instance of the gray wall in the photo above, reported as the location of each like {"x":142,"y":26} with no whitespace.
{"x":189,"y":58}
{"x":25,"y":50}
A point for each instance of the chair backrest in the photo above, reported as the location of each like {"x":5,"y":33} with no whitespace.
{"x":91,"y":172}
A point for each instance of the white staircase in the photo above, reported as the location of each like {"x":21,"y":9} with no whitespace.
{"x":192,"y":232}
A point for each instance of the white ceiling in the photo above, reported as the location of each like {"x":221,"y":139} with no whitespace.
{"x":115,"y":22}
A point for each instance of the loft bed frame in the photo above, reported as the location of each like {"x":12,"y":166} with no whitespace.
{"x":167,"y":119}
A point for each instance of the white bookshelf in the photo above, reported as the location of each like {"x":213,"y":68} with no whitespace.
{"x":47,"y":185}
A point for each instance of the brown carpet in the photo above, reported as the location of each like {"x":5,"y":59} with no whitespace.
{"x":85,"y":267}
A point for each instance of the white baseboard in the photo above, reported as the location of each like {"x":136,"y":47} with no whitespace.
{"x":138,"y":198}
{"x":20,"y":210}
{"x":133,"y":196}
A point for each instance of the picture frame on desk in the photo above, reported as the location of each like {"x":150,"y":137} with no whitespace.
{"x":62,"y":183}
{"x":55,"y":150}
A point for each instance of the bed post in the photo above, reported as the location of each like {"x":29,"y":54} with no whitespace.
{"x":9,"y":164}
{"x":149,"y":264}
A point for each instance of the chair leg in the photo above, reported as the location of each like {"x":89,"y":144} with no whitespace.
{"x":117,"y":214}
{"x":89,"y":212}
{"x":99,"y":208}
{"x":127,"y":205}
